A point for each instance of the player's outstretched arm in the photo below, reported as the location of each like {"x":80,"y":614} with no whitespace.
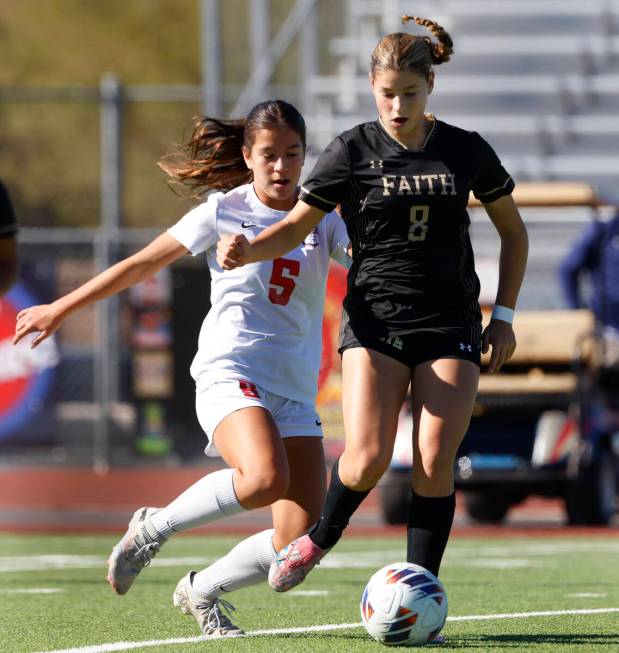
{"x":274,"y":241}
{"x":46,"y":318}
{"x":512,"y":263}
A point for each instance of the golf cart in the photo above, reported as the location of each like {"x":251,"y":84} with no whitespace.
{"x":547,"y":424}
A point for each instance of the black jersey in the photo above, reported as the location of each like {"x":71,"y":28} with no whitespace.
{"x":405,"y":210}
{"x":7,"y":216}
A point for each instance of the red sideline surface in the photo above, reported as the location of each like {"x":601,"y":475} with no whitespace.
{"x":78,"y":500}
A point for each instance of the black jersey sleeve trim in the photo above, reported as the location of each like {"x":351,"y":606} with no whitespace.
{"x":8,"y":224}
{"x":494,"y":194}
{"x":494,"y":190}
{"x":316,"y":201}
{"x":8,"y":230}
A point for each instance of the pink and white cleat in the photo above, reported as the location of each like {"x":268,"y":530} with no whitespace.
{"x":294,"y":562}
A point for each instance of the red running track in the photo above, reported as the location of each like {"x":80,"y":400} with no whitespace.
{"x":77,"y":500}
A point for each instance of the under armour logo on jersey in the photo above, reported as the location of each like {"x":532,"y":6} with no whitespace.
{"x":376,"y":164}
{"x":465,"y":347}
{"x":394,"y":341}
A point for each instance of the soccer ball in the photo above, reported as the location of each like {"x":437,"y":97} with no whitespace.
{"x":403,"y":604}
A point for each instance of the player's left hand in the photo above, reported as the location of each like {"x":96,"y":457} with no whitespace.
{"x":500,"y":336}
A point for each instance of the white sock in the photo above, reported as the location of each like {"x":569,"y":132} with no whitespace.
{"x":246,"y":564}
{"x":209,"y":499}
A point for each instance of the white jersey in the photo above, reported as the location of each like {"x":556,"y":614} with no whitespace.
{"x":265,"y":322}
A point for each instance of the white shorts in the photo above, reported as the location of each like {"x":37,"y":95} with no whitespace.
{"x":215,"y":402}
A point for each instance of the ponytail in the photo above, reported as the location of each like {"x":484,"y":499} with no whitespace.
{"x":441,"y":49}
{"x":401,"y":51}
{"x":213,"y":159}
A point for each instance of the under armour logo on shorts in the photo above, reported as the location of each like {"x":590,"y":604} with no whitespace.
{"x":394,"y":341}
{"x":465,"y":347}
{"x":376,"y":164}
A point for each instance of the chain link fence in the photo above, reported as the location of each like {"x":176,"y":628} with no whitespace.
{"x":92,"y":195}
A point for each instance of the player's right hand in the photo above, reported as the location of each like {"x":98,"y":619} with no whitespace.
{"x":233,"y":251}
{"x":42,"y":319}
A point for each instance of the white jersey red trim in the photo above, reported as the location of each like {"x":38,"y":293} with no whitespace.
{"x":265,"y":323}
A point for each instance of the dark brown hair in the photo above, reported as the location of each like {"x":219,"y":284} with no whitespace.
{"x":212,"y":159}
{"x":401,"y":51}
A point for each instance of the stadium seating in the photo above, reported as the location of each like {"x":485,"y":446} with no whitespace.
{"x":539,"y":80}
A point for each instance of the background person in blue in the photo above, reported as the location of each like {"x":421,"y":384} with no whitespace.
{"x":8,"y":245}
{"x":595,"y":256}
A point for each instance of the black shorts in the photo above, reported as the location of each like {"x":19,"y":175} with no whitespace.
{"x":414,"y":348}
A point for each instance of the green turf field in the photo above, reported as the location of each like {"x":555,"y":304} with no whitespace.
{"x":54,"y":596}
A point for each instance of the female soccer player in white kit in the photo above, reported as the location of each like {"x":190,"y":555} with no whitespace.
{"x":258,"y":356}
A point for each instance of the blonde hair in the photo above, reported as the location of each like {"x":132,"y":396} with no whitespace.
{"x":401,"y":51}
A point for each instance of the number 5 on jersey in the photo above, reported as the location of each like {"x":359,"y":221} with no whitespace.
{"x":282,"y":282}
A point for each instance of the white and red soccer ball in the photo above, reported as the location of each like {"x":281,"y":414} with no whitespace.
{"x":404,"y":604}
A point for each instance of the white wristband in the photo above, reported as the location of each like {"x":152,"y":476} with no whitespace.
{"x":503,"y":313}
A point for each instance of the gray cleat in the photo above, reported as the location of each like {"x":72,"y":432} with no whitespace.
{"x":136,"y":549}
{"x":212,"y":621}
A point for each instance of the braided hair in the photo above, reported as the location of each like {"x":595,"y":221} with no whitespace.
{"x":402,"y":51}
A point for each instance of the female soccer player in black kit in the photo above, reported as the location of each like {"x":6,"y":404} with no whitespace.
{"x":411,"y":314}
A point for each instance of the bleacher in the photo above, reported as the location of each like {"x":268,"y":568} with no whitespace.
{"x":539,"y":80}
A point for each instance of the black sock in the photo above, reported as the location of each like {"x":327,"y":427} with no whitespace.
{"x":429,"y":525}
{"x":340,"y":504}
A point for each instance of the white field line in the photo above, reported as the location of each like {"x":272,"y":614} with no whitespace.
{"x":502,"y":563}
{"x":14,"y":564}
{"x":126,"y":646}
{"x":359,"y":560}
{"x":525,"y":615}
{"x":456,"y":555}
{"x":33,"y":590}
{"x":495,"y":556}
